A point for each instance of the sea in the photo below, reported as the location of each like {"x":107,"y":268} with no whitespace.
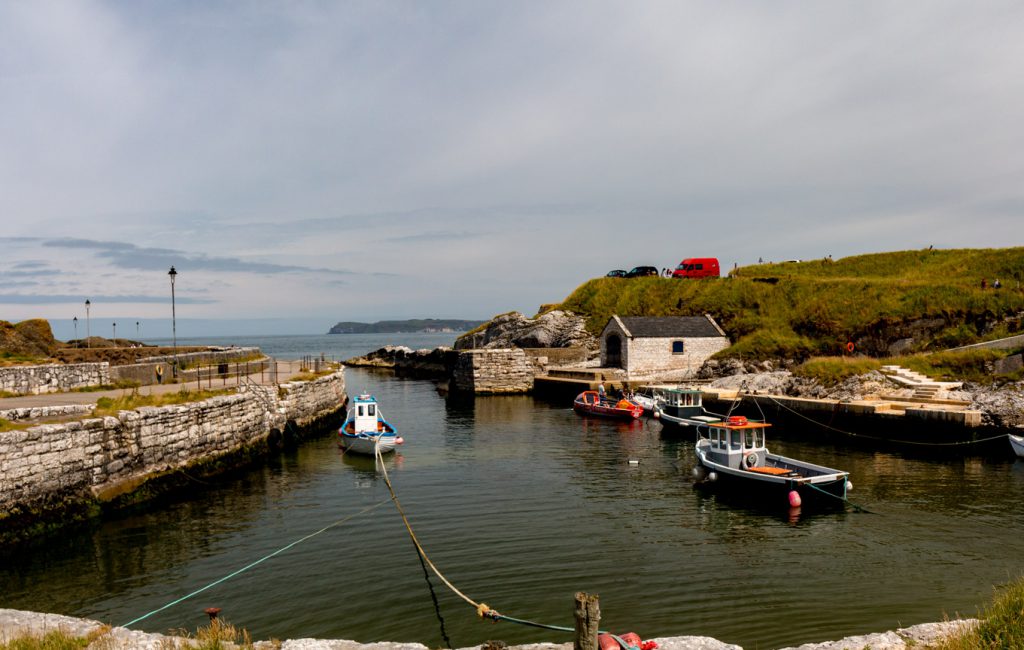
{"x":520,"y":503}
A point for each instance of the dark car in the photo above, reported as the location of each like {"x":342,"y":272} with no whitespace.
{"x":617,"y":273}
{"x":643,"y":271}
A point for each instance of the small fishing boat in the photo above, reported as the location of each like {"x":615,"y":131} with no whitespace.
{"x":589,"y":402}
{"x":733,"y":452}
{"x":683,"y":407}
{"x":646,"y":397}
{"x":365,"y":430}
{"x":1017,"y":442}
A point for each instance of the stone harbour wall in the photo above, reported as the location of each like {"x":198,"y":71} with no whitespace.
{"x":493,"y":371}
{"x":52,"y":377}
{"x":50,"y":468}
{"x":15,"y":624}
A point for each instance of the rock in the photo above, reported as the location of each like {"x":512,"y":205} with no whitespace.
{"x":554,"y":329}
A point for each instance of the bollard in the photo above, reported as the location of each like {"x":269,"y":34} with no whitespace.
{"x":588,"y":619}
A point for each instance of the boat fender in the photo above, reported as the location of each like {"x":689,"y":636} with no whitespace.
{"x":712,"y":476}
{"x":700,"y":473}
{"x":750,"y":460}
{"x":849,"y":485}
{"x":399,"y":440}
{"x":794,"y":499}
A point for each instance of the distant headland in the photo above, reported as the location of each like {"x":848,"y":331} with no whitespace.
{"x":405,"y":326}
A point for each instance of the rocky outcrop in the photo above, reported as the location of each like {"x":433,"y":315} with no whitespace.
{"x":435,"y":364}
{"x":554,"y":329}
{"x":32,"y":338}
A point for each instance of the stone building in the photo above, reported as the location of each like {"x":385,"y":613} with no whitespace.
{"x":649,"y":346}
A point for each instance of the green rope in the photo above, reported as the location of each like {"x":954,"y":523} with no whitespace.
{"x":834,"y":496}
{"x":252,"y":564}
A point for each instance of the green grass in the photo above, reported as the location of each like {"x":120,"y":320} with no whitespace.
{"x":814,"y":308}
{"x":111,"y":406}
{"x":119,"y":384}
{"x":1001,"y":624}
{"x":219,"y":635}
{"x":55,"y":640}
{"x":15,"y":359}
{"x":7,"y":425}
{"x":832,"y":370}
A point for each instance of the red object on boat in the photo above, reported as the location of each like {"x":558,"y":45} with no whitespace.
{"x":590,"y":403}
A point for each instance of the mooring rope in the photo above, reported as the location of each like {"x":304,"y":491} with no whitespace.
{"x":252,"y":564}
{"x":482,"y":609}
{"x":902,"y":442}
{"x":836,"y":496}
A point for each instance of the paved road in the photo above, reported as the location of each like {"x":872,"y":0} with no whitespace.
{"x":285,"y":370}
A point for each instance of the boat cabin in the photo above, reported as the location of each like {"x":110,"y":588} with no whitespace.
{"x":736,"y":442}
{"x":364,"y":413}
{"x":683,"y":403}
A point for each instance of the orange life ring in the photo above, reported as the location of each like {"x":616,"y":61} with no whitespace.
{"x":849,"y":347}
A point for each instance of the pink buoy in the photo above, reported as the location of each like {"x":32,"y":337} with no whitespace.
{"x":794,"y":498}
{"x":399,"y":440}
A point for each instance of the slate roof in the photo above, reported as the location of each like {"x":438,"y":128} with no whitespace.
{"x":670,"y":327}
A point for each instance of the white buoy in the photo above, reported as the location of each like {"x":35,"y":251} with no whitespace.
{"x":633,"y":461}
{"x":849,"y":485}
{"x":713,"y":476}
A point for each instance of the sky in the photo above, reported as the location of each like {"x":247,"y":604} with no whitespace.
{"x":313,"y":162}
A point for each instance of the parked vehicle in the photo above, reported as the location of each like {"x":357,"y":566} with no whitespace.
{"x":643,"y":271}
{"x":617,"y":273}
{"x":697,"y":267}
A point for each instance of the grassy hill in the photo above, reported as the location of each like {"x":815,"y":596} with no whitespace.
{"x":885,"y":303}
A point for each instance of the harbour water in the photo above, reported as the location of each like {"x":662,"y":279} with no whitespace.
{"x":521,"y":503}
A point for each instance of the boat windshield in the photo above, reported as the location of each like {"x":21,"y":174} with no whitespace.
{"x":371,"y":410}
{"x":735,"y":441}
{"x":754,"y":438}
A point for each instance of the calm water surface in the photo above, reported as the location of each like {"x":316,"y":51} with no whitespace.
{"x":521,"y":503}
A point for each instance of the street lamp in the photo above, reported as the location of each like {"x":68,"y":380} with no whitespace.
{"x":88,"y":334}
{"x":174,"y":326}
{"x":77,"y":342}
{"x":115,"y":335}
{"x":138,"y":332}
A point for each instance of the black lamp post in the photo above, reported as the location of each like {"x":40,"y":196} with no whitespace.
{"x":138,"y":332}
{"x":77,"y":342}
{"x":88,"y":334}
{"x":174,"y":323}
{"x":115,"y":335}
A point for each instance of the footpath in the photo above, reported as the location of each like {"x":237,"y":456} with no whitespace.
{"x":285,"y":371}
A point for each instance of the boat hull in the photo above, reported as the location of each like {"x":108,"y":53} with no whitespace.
{"x":1017,"y":442}
{"x":367,"y":444}
{"x":822,"y":489}
{"x":608,"y":411}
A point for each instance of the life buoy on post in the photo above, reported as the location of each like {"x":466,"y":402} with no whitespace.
{"x":750,"y":460}
{"x":849,"y":347}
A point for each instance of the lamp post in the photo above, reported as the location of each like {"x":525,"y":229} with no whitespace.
{"x":88,"y":334}
{"x":138,"y":332}
{"x":174,"y":325}
{"x":115,"y":335}
{"x":77,"y":342}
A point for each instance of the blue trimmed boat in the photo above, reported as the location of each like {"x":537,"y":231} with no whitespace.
{"x":365,"y":430}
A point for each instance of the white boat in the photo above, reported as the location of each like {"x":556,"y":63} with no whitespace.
{"x":1017,"y":442}
{"x":683,"y":407}
{"x":365,"y":430}
{"x":645,"y":397}
{"x":732,"y":452}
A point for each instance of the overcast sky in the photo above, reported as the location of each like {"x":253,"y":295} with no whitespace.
{"x":329,"y":161}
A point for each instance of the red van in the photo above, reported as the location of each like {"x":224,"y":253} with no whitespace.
{"x":697,"y":267}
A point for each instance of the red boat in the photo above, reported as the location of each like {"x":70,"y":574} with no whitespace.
{"x":590,"y":403}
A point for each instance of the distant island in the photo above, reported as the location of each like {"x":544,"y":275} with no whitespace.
{"x":406,"y":326}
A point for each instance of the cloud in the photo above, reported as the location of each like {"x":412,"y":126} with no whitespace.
{"x":129,"y":256}
{"x":42,"y":299}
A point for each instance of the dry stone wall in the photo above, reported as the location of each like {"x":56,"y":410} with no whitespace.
{"x":97,"y":459}
{"x":52,"y":377}
{"x":490,"y":371}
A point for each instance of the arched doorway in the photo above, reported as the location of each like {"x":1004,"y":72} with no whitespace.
{"x":613,"y":351}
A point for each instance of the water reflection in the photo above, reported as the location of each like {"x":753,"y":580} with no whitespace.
{"x":521,"y":502}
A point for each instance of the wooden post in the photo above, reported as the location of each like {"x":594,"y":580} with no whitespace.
{"x":588,"y":619}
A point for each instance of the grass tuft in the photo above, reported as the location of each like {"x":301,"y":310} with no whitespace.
{"x":1001,"y":624}
{"x":832,"y":370}
{"x":111,"y":405}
